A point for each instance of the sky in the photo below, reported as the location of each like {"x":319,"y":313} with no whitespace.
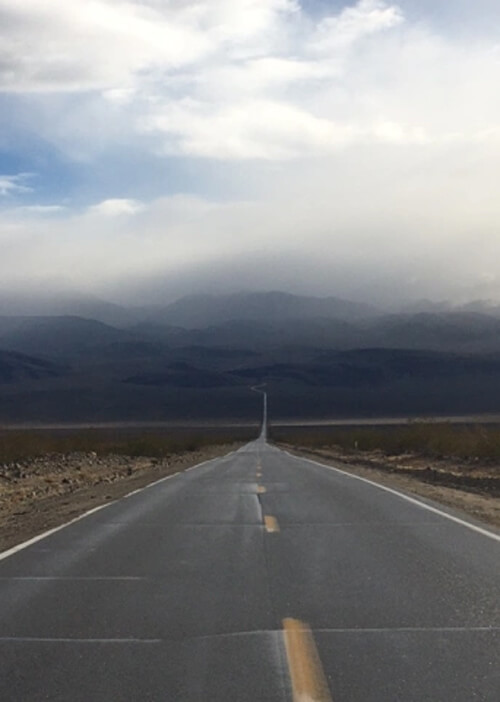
{"x":153,"y":148}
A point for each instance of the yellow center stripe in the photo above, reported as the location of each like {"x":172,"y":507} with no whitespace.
{"x":306,"y":672}
{"x":271,"y":524}
{"x":261,"y":490}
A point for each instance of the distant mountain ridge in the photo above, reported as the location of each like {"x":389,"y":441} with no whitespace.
{"x":199,"y":357}
{"x":201,"y":311}
{"x":50,"y":303}
{"x":56,"y":336}
{"x":65,"y":336}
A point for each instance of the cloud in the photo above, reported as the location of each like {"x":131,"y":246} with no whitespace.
{"x":14,"y":184}
{"x":386,"y":231}
{"x":36,"y":210}
{"x":241,"y":79}
{"x":252,"y":129}
{"x":269,"y":106}
{"x":361,"y":75}
{"x":116,"y":207}
{"x":359,"y":142}
{"x":81,"y":45}
{"x":354,"y":23}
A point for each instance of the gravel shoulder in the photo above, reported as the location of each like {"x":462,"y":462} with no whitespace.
{"x":472,"y":488}
{"x":42,"y":493}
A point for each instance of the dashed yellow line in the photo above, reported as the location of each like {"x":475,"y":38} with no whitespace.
{"x":271,"y":524}
{"x":261,"y":489}
{"x":306,"y":672}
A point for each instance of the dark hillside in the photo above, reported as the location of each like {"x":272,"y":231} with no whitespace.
{"x":17,"y":367}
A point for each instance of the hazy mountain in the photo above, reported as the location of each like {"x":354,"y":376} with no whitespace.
{"x":41,"y":302}
{"x":369,"y":367}
{"x":57,"y":336}
{"x":64,"y":336}
{"x":17,"y":367}
{"x":183,"y":375}
{"x":369,"y":382}
{"x":486,"y":307}
{"x":423,"y":305}
{"x":199,"y":357}
{"x":449,"y":331}
{"x":483,"y":307}
{"x":164,"y":333}
{"x":201,"y":311}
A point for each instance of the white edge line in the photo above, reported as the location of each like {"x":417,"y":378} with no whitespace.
{"x":39,"y":537}
{"x":413,"y":500}
{"x":45,"y":534}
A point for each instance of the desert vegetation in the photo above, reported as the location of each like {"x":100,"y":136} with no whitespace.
{"x":469,"y":442}
{"x":24,"y":445}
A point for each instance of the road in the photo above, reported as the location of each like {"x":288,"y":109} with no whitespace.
{"x":257,"y":577}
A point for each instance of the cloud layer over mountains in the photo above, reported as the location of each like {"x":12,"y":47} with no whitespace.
{"x":226,"y":143}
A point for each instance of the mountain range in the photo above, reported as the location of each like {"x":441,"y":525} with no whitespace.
{"x":198,"y":357}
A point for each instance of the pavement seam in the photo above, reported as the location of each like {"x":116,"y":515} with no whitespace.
{"x":259,"y":632}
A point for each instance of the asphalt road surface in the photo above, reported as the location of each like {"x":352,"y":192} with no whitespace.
{"x":257,"y":577}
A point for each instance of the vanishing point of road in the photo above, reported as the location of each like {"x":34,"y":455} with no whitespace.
{"x":257,"y":577}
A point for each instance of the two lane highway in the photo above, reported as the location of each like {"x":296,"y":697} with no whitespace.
{"x":255,"y":577}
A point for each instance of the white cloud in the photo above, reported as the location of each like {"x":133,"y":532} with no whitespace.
{"x":80,"y":45}
{"x":116,"y":207}
{"x":254,"y":129}
{"x":362,"y":75}
{"x":47,"y":45}
{"x":14,"y":184}
{"x":354,"y":23}
{"x":242,"y":79}
{"x":363,"y":139}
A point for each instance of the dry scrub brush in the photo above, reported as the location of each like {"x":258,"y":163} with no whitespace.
{"x":467,"y":442}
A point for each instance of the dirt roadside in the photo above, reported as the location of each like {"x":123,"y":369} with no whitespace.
{"x":474,"y":489}
{"x":41,"y":493}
